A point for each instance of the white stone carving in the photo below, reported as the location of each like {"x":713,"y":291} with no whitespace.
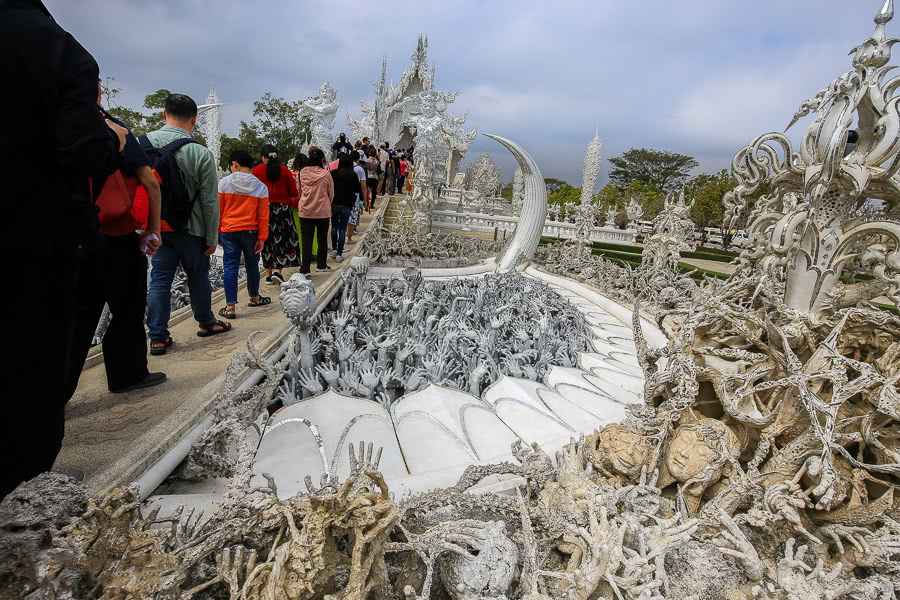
{"x":321,"y":110}
{"x":807,"y":222}
{"x":485,"y":175}
{"x":518,"y":191}
{"x":592,"y":164}
{"x":209,"y":123}
{"x":634,"y":211}
{"x":414,"y":113}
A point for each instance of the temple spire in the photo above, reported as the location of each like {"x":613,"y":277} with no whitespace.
{"x":882,"y":18}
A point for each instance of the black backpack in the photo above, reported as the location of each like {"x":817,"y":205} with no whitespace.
{"x":176,"y":202}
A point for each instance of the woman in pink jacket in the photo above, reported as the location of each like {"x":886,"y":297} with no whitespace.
{"x":316,"y":195}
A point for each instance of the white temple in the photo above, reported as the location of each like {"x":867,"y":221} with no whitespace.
{"x":401,"y":112}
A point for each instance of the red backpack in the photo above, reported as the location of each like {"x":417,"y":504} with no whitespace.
{"x":123,"y":209}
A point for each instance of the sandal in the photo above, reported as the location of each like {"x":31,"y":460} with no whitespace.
{"x":260,"y":301}
{"x":227,"y":312}
{"x":210,"y":328}
{"x":158,"y":347}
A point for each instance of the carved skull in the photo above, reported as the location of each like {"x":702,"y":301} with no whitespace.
{"x":488,"y":573}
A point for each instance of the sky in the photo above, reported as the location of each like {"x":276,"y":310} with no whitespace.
{"x":698,"y":77}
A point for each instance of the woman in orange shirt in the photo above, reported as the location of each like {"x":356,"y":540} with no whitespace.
{"x":282,"y":247}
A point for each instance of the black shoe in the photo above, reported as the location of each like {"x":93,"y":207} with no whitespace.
{"x":150,"y":380}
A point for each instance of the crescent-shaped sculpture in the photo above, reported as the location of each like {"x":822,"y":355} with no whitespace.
{"x":534,"y":209}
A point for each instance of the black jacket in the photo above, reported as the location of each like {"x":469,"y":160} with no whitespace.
{"x":346,"y":187}
{"x":52,"y":137}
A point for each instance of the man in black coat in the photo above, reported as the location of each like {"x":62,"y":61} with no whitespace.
{"x":53,"y":143}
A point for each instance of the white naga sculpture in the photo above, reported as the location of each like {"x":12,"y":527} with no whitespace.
{"x":321,"y":110}
{"x":807,"y":223}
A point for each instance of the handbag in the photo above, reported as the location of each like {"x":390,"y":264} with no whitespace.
{"x":116,"y":201}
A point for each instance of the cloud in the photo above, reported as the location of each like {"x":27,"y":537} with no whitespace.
{"x":700,"y":77}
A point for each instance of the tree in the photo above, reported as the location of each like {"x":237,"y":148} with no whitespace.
{"x":609,"y":195}
{"x":156,"y":100}
{"x":707,"y":191}
{"x":277,"y":122}
{"x":109,"y":92}
{"x":506,"y":192}
{"x":667,"y":171}
{"x":564,"y":195}
{"x":650,"y":197}
{"x":553,"y":184}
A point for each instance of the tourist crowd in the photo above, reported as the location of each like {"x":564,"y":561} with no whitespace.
{"x":109,"y":199}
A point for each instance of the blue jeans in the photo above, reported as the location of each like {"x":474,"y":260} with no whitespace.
{"x":340,"y":217}
{"x":178,"y":247}
{"x":236,"y":243}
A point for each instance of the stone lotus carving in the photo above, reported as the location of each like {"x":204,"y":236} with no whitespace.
{"x":321,"y":110}
{"x":807,"y":222}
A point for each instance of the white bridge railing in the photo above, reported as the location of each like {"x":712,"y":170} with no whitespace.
{"x":486,"y":223}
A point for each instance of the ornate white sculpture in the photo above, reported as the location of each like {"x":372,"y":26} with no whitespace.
{"x":673,"y":232}
{"x":321,"y":110}
{"x":422,"y":198}
{"x":807,"y":222}
{"x":611,"y":216}
{"x":592,"y":164}
{"x":400,"y":113}
{"x":518,"y":191}
{"x":209,"y":118}
{"x":485,"y":175}
{"x":585,"y":213}
{"x":534,"y":210}
{"x":634,"y":211}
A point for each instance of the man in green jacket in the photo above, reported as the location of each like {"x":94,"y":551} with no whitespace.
{"x":193,"y":246}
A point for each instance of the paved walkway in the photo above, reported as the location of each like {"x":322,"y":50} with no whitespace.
{"x":710,"y":265}
{"x":103,"y":428}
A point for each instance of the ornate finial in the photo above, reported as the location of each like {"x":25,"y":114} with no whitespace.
{"x":882,"y":18}
{"x":886,"y":13}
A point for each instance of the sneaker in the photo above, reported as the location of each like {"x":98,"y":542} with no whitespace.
{"x":277,"y":279}
{"x":333,"y":253}
{"x":339,"y":257}
{"x":150,"y":380}
{"x":325,"y":269}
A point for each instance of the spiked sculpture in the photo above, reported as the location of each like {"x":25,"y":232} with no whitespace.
{"x":807,"y":222}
